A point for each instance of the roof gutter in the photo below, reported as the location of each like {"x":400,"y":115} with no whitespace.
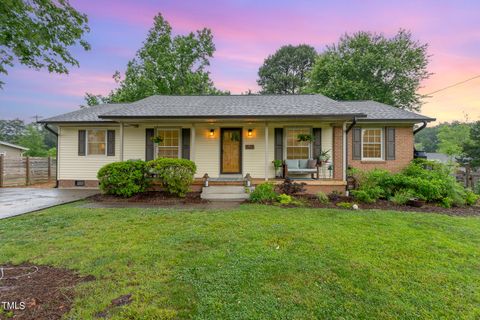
{"x":56,"y":154}
{"x":420,"y":128}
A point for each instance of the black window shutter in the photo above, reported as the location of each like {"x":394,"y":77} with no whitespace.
{"x":278,"y":143}
{"x":110,"y":142}
{"x":390,"y":143}
{"x":186,"y":143}
{"x":317,"y":143}
{"x":149,"y":147}
{"x":81,"y":142}
{"x":357,"y":143}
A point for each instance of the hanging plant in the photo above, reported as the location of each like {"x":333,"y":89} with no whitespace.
{"x":324,"y":156}
{"x":157,"y":139}
{"x":305,"y":137}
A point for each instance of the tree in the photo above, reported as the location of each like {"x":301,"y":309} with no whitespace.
{"x":369,"y":66}
{"x":33,"y":139}
{"x":10,"y":130}
{"x":426,"y":140}
{"x":165,"y":64}
{"x":452,"y":138}
{"x":472,"y":146}
{"x":285,"y":72}
{"x":39,"y":33}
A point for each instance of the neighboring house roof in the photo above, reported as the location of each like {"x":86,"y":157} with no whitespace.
{"x":440,"y":157}
{"x":13,"y":145}
{"x":160,"y":106}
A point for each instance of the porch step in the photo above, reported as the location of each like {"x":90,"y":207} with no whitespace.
{"x":224,"y":193}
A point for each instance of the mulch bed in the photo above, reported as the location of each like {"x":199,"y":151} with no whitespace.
{"x":43,"y":292}
{"x":152,"y":197}
{"x":388,"y":205}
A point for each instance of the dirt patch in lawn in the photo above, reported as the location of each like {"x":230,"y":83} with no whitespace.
{"x":37,"y":292}
{"x":152,"y":197}
{"x":312,"y":201}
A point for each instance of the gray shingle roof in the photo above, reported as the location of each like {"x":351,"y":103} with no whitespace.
{"x":237,"y":106}
{"x":380,"y":111}
{"x":87,"y":114}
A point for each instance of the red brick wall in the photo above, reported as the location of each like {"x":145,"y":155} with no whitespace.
{"x":337,"y":156}
{"x":404,"y":142}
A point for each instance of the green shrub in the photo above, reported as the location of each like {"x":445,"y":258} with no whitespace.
{"x":175,"y":175}
{"x":471,"y":198}
{"x":427,"y":180}
{"x":477,"y":187}
{"x":124,"y":179}
{"x":284,"y":198}
{"x":322,"y":197}
{"x":264,"y":192}
{"x":401,"y":197}
{"x":344,"y":205}
{"x":446,"y":202}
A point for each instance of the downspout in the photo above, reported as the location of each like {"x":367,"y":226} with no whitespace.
{"x":56,"y":154}
{"x":420,"y":128}
{"x":350,"y":127}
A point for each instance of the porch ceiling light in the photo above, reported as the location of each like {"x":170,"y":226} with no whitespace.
{"x":212,"y":132}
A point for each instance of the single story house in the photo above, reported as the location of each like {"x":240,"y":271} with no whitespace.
{"x":11,"y":150}
{"x":234,"y":135}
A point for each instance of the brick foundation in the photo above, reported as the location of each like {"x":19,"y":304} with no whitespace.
{"x":71,"y":184}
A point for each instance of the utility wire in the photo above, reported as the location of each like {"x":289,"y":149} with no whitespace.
{"x":453,"y":85}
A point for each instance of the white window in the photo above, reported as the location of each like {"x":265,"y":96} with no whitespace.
{"x":372,"y":144}
{"x":96,"y":142}
{"x":169,"y":146}
{"x":297,"y":149}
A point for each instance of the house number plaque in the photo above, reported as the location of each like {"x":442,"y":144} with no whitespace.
{"x":249,"y":146}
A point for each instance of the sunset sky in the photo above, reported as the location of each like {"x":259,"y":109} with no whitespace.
{"x":245,"y":33}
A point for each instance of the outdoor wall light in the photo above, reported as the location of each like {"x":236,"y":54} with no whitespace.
{"x":212,"y":132}
{"x":249,"y":132}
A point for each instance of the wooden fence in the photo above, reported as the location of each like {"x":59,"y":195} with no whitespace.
{"x":26,"y":170}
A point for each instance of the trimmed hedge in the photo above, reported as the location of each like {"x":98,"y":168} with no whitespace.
{"x":175,"y":175}
{"x":124,"y":179}
{"x":263,"y":193}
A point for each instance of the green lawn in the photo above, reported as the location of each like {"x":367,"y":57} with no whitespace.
{"x":258,"y":262}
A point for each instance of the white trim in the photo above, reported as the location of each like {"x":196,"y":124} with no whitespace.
{"x":266,"y":151}
{"x":344,"y":153}
{"x":285,"y":135}
{"x":86,"y":142}
{"x":382,"y":142}
{"x":121,"y":141}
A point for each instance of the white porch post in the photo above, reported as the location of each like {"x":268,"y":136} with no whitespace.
{"x":344,"y":151}
{"x":192,"y":143}
{"x":266,"y":151}
{"x":121,"y":141}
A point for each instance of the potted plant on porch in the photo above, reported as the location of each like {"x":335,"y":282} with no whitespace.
{"x":277,"y":164}
{"x":323,"y":157}
{"x":157,"y":139}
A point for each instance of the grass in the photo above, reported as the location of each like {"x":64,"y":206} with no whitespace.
{"x":258,"y":262}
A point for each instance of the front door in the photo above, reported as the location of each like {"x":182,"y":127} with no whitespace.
{"x":231,"y":150}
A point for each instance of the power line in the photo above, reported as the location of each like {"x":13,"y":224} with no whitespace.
{"x":454,"y":85}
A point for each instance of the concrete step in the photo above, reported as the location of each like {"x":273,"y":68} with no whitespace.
{"x":224,"y":193}
{"x":223,"y":189}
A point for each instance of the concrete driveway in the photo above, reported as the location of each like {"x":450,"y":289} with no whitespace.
{"x":16,"y":201}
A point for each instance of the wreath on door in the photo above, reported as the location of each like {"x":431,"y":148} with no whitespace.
{"x":235,"y":136}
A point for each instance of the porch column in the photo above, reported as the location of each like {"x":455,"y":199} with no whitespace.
{"x":192,"y":143}
{"x":121,"y":141}
{"x":344,"y":151}
{"x":266,"y":151}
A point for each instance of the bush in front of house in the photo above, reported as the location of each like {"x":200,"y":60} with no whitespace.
{"x":290,"y":187}
{"x":263,"y":193}
{"x":175,"y":175}
{"x":322,"y":197}
{"x":124,"y":179}
{"x":421,"y":179}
